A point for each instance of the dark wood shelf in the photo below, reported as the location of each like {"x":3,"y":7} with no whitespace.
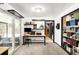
{"x":67,"y":37}
{"x":72,"y":32}
{"x":29,"y":24}
{"x":38,"y":29}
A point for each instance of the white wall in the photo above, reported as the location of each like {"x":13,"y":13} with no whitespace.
{"x":30,"y":19}
{"x":38,"y":18}
{"x":58,"y":32}
{"x":58,"y":20}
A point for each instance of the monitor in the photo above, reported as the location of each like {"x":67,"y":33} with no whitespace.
{"x":27,"y":29}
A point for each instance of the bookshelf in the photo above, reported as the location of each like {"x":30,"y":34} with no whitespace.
{"x":70,"y":32}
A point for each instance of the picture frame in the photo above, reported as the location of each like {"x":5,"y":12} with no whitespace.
{"x":58,"y":26}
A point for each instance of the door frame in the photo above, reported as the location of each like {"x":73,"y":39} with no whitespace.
{"x":53,"y":29}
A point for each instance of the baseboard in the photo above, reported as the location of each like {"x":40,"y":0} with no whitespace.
{"x":16,"y":49}
{"x":62,"y":47}
{"x":57,"y":44}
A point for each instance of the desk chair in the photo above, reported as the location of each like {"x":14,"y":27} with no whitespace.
{"x":28,"y":41}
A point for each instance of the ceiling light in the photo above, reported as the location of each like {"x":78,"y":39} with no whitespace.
{"x":38,"y":9}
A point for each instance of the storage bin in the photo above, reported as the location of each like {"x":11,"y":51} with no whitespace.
{"x":72,"y":22}
{"x":77,"y":29}
{"x":77,"y":21}
{"x":77,"y":35}
{"x":68,"y":34}
{"x":68,"y":23}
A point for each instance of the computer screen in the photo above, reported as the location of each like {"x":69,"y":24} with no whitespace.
{"x":27,"y":29}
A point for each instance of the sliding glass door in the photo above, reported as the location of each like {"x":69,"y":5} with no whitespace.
{"x":17,"y":33}
{"x":5,"y":31}
{"x":10,"y":32}
{"x":3,"y":34}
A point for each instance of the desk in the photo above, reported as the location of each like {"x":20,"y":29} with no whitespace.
{"x":4,"y":50}
{"x":35,"y":36}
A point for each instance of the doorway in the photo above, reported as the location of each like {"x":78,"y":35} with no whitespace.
{"x":49,"y":29}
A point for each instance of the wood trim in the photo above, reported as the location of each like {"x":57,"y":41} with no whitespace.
{"x":62,"y":32}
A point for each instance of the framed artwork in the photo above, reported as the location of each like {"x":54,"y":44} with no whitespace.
{"x":58,"y":26}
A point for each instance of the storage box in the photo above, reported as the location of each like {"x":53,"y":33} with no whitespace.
{"x":77,"y":35}
{"x":77,"y":29}
{"x":68,"y":23}
{"x":64,"y":39}
{"x":72,"y":29}
{"x":73,"y":22}
{"x":68,"y":34}
{"x":77,"y":21}
{"x":68,"y":29}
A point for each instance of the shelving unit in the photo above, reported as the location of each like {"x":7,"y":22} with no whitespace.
{"x":72,"y":26}
{"x":34,"y":27}
{"x":70,"y":32}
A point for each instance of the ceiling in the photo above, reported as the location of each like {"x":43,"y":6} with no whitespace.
{"x":51,"y":9}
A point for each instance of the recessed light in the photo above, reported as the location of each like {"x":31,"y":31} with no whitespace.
{"x":38,"y":9}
